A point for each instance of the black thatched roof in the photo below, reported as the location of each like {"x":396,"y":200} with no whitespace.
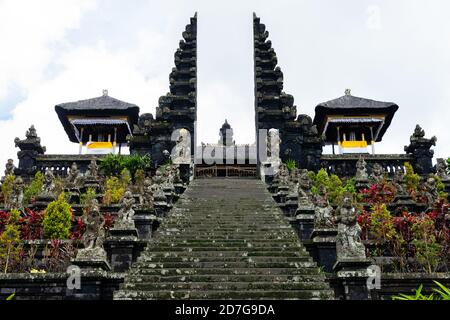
{"x":104,"y":106}
{"x":349,"y":105}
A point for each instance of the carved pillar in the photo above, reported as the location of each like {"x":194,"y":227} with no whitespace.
{"x":30,"y":148}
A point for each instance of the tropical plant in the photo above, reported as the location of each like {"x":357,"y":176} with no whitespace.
{"x":112,"y":164}
{"x":31,"y":225}
{"x":290,"y":164}
{"x":444,"y":294}
{"x":57,"y":219}
{"x":137,"y":162}
{"x":34,"y":188}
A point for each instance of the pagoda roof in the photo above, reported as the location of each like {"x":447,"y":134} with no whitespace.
{"x":100,"y":107}
{"x":352,"y":106}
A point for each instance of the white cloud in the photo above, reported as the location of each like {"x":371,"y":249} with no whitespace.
{"x":128,"y":48}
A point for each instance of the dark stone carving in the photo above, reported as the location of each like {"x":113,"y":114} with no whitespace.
{"x":275,"y":109}
{"x":30,"y":148}
{"x":420,"y":149}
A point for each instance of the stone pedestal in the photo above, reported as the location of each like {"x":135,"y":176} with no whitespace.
{"x":91,"y":183}
{"x":185,"y":172}
{"x":273,"y":187}
{"x":94,"y":259}
{"x":121,"y":246}
{"x":305,"y":222}
{"x":42,"y":201}
{"x":179,"y":188}
{"x":404,"y":201}
{"x":324,"y":243}
{"x":290,"y":206}
{"x":145,"y":221}
{"x":353,"y":275}
{"x":73,"y":194}
{"x":281,"y":195}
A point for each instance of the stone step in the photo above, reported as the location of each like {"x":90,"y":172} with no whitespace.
{"x":197,"y":258}
{"x":224,"y":271}
{"x":216,"y":253}
{"x":250,"y":263}
{"x":215,"y":248}
{"x":225,"y":239}
{"x":219,"y":286}
{"x":236,"y":294}
{"x":130,"y":278}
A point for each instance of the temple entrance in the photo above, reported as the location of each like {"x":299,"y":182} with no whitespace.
{"x":225,"y":171}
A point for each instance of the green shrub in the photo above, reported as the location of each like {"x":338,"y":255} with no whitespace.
{"x":137,"y":162}
{"x":7,"y":188}
{"x":427,"y":247}
{"x":10,"y":246}
{"x":333,"y":184}
{"x":34,"y":188}
{"x":114,"y":190}
{"x":57,"y":219}
{"x":112,"y":164}
{"x":87,"y":197}
{"x":412,"y":179}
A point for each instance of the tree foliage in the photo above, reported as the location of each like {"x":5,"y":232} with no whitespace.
{"x":57,"y":220}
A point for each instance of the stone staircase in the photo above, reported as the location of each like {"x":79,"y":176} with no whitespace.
{"x":225,"y":239}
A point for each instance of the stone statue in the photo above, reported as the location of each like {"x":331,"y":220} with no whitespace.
{"x":418,"y":133}
{"x":304,"y":191}
{"x":73,"y":178}
{"x":94,"y":236}
{"x":182,"y":151}
{"x":441,"y":170}
{"x":17,"y":194}
{"x":273,"y":145}
{"x":430,"y":191}
{"x":93,"y":169}
{"x":147,"y":196}
{"x":49,"y":184}
{"x":9,"y":168}
{"x":348,"y":240}
{"x":399,"y":183}
{"x":283,"y":175}
{"x":126,"y":212}
{"x":323,"y":213}
{"x":377,"y":173}
{"x":361,"y":170}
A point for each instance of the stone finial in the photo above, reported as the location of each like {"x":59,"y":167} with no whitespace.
{"x":348,"y":240}
{"x":348,"y":92}
{"x":105,"y":92}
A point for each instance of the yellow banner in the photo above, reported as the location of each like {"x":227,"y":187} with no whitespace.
{"x":99,"y":145}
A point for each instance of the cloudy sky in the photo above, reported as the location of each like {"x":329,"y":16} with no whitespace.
{"x":54,"y":51}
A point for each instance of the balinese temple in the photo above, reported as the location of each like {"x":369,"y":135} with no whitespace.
{"x":99,"y":125}
{"x":353,"y":124}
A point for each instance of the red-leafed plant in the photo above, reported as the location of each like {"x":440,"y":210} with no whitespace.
{"x":31,"y":225}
